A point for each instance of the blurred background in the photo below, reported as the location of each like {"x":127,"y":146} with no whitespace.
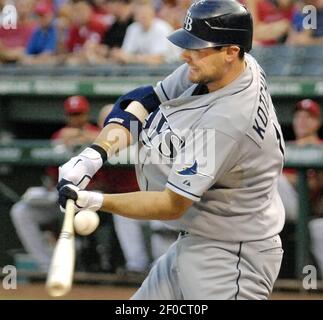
{"x":63,"y":63}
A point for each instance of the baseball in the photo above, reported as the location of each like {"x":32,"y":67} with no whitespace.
{"x":85,"y":222}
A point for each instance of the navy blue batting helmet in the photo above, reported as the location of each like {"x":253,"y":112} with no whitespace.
{"x":215,"y":23}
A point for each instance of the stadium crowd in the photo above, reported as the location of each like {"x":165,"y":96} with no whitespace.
{"x":134,"y":31}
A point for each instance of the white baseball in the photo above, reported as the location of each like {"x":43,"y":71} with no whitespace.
{"x":85,"y":222}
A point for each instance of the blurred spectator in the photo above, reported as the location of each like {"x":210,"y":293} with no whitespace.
{"x":58,"y":4}
{"x":316,"y":235}
{"x":99,"y":6}
{"x":174,"y":11}
{"x":78,"y":131}
{"x":38,"y":206}
{"x":42,"y":46}
{"x":85,"y":34}
{"x":146,"y":39}
{"x":123,"y":13}
{"x":63,"y":22}
{"x":310,"y":36}
{"x":14,"y":41}
{"x":306,"y":125}
{"x":101,"y":12}
{"x":272,"y":20}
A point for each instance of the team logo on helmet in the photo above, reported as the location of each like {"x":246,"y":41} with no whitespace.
{"x":188,"y":21}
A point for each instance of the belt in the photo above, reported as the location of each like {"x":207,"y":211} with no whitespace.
{"x":183,"y":233}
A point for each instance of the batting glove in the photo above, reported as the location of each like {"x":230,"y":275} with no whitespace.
{"x":79,"y":170}
{"x":84,"y":200}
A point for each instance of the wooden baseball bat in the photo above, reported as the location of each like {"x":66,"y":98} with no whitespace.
{"x":61,"y":271}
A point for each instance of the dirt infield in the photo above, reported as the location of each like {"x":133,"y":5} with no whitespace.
{"x":102,"y":292}
{"x":78,"y":292}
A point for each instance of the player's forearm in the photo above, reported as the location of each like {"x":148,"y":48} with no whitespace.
{"x":114,"y":137}
{"x":145,"y":205}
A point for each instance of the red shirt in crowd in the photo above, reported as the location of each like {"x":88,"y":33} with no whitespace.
{"x":15,"y":38}
{"x":78,"y":35}
{"x":267,"y":11}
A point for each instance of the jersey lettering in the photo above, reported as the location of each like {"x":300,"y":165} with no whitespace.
{"x":261,"y":119}
{"x":156,"y":134}
{"x":279,"y":139}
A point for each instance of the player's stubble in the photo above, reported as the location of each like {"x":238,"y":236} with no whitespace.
{"x":206,"y":65}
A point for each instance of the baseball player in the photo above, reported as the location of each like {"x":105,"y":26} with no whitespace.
{"x":210,"y":153}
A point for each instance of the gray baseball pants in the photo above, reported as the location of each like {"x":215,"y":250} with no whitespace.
{"x":196,"y":268}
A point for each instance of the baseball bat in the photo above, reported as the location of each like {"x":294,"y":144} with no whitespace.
{"x":60,"y":274}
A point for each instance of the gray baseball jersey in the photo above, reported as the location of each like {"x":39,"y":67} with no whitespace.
{"x":223,"y":149}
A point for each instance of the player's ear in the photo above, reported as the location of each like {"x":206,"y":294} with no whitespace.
{"x":232,"y":53}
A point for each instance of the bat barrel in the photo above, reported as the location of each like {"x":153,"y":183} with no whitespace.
{"x":57,"y":289}
{"x":60,"y":275}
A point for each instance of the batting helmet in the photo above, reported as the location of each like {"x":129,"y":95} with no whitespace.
{"x":215,"y":23}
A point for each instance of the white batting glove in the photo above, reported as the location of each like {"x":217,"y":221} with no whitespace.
{"x":79,"y":170}
{"x":84,"y":200}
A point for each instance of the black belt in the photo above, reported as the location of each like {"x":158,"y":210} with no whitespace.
{"x":183,"y":233}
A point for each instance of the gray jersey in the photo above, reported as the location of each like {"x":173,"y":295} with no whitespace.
{"x":223,"y":149}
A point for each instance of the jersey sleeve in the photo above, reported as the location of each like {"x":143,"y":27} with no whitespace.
{"x":174,"y":84}
{"x":206,"y":155}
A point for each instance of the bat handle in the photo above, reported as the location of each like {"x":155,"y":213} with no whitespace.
{"x":68,"y":224}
